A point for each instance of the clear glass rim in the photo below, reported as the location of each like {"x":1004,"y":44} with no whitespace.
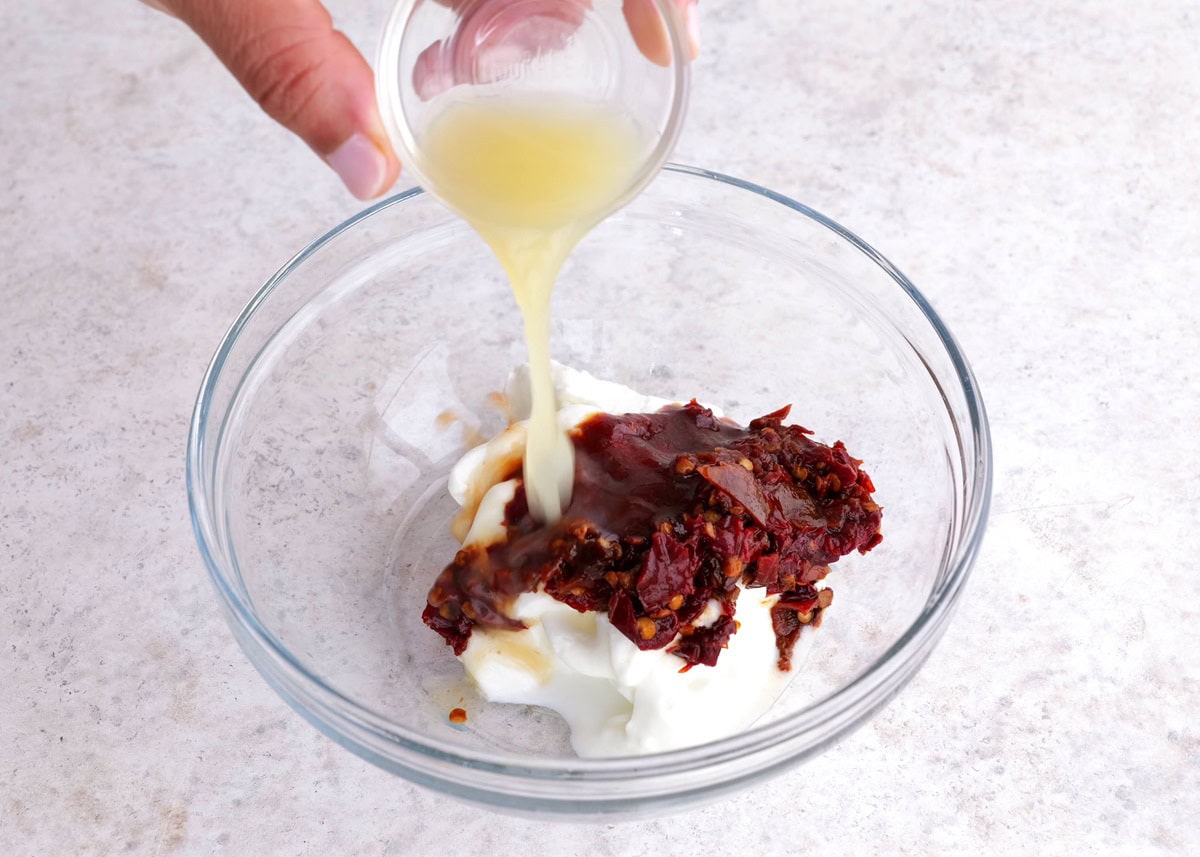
{"x":346,"y":720}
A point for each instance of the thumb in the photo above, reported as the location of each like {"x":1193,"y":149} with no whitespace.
{"x":306,"y":75}
{"x":650,"y":32}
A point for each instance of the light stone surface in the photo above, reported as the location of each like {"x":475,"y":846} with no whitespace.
{"x":1031,"y":166}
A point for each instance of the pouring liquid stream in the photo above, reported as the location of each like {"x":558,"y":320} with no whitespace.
{"x":533,"y":178}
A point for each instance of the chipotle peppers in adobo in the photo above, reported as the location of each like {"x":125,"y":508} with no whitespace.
{"x":671,"y":510}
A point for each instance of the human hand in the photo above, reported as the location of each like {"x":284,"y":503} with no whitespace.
{"x":310,"y":78}
{"x":491,"y":39}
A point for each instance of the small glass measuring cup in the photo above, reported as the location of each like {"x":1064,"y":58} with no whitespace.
{"x":437,"y":52}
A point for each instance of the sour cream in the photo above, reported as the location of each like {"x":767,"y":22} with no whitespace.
{"x":617,"y":699}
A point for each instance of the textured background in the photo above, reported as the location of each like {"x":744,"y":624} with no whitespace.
{"x":1032,"y":169}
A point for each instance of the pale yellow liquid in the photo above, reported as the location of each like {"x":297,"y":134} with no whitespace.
{"x":532,"y":179}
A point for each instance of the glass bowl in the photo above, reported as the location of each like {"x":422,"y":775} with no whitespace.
{"x":338,"y":401}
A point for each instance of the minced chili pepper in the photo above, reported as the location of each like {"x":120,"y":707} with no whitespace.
{"x":670,"y":511}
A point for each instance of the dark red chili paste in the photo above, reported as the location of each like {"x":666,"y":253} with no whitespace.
{"x":670,"y":510}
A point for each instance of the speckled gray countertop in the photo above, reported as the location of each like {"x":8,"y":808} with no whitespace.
{"x":1031,"y":166}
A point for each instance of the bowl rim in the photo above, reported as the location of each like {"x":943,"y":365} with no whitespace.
{"x":346,"y":720}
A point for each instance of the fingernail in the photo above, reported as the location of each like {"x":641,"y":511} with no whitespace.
{"x":360,"y":166}
{"x":691,"y":20}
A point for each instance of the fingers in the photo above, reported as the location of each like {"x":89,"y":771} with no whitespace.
{"x":650,"y":32}
{"x":496,"y":35}
{"x":311,"y":79}
{"x":492,"y":38}
{"x":306,"y":75}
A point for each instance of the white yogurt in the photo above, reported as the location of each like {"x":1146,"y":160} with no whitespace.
{"x":617,"y":699}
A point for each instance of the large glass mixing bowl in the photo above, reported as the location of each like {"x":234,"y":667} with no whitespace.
{"x":338,"y":401}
